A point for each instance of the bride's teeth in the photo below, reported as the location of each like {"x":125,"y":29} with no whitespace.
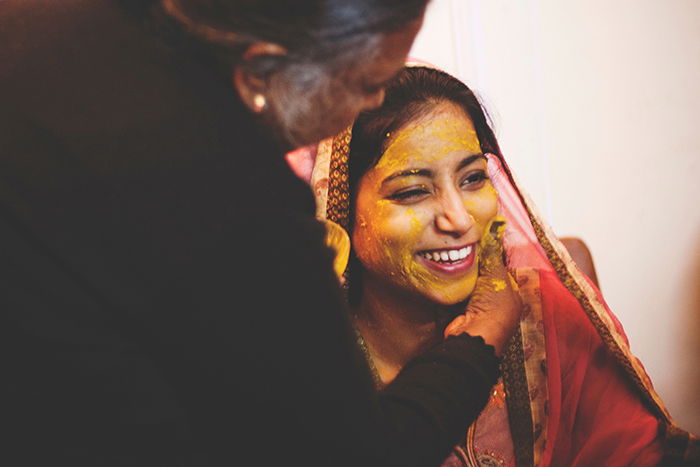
{"x":448,"y":255}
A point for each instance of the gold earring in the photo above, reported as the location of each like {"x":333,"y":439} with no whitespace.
{"x":259,"y":102}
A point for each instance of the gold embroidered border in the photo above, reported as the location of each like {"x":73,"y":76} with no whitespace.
{"x":518,"y":401}
{"x":533,"y":343}
{"x":338,"y":202}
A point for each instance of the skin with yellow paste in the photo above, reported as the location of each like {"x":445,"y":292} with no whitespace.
{"x":428,"y":193}
{"x":419,"y":197}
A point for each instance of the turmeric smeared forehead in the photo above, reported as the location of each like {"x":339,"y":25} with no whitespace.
{"x":441,"y":131}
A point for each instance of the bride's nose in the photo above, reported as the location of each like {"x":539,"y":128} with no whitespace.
{"x":452,"y":216}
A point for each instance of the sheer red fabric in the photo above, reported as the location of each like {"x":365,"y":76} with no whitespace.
{"x":594,"y":415}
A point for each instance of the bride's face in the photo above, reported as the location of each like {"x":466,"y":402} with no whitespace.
{"x":422,"y":210}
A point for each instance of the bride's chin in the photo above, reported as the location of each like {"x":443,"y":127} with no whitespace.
{"x":453,"y":298}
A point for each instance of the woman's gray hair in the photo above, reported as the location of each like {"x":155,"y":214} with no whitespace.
{"x":310,"y":30}
{"x":324,"y":40}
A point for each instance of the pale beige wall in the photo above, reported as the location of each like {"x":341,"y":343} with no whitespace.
{"x":597,"y":107}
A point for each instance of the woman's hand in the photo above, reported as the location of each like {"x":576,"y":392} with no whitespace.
{"x":495,"y":306}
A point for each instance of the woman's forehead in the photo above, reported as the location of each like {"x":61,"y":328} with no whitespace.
{"x":431,"y":137}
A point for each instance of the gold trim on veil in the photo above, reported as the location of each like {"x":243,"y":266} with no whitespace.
{"x":329,"y":181}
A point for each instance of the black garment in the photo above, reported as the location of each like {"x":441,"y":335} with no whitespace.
{"x":166,"y":296}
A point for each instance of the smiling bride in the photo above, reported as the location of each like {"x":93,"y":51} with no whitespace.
{"x":418,"y":187}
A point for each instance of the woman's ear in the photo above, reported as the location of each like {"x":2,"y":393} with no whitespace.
{"x":253,"y":89}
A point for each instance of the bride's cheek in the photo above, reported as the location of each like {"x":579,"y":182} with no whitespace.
{"x":485,"y":206}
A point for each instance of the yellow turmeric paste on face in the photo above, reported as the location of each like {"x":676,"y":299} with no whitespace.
{"x":426,"y":155}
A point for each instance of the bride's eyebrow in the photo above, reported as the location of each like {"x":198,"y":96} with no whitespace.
{"x":469,"y":160}
{"x":428,"y":173}
{"x":408,"y":173}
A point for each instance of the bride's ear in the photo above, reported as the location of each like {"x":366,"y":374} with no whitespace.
{"x":253,"y":89}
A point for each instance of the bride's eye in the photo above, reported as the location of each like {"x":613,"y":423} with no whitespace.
{"x":474,"y":180}
{"x":409,"y":195}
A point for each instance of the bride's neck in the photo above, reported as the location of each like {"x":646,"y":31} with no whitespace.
{"x":397,"y":327}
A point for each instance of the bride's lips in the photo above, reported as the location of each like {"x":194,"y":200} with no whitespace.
{"x":449,"y":261}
